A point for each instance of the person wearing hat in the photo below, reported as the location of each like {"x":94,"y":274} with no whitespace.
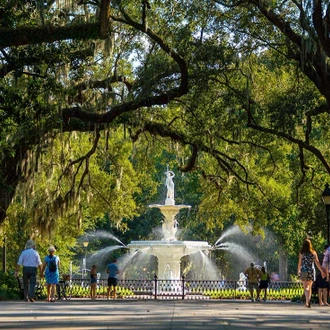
{"x":51,"y":266}
{"x":253,"y":275}
{"x":30,"y":260}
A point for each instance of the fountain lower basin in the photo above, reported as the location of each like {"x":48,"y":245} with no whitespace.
{"x":169,"y":254}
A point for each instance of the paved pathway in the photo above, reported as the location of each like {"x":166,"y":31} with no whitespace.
{"x":162,"y":315}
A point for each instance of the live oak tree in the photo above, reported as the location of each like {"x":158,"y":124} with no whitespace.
{"x":236,"y":85}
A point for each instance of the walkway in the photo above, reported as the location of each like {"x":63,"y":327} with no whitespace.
{"x":162,"y":315}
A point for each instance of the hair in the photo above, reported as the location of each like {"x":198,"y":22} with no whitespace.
{"x":263,"y":269}
{"x":94,"y":267}
{"x":307,"y":247}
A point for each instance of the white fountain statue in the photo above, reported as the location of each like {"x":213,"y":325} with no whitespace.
{"x":169,"y":250}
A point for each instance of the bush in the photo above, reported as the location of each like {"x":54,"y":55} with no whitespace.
{"x":9,"y":289}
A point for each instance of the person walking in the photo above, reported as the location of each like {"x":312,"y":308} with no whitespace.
{"x":263,"y":284}
{"x":93,"y":275}
{"x":113,"y":271}
{"x":306,"y":268}
{"x":30,"y":260}
{"x":326,"y":264}
{"x":50,"y":268}
{"x":322,"y":284}
{"x":253,"y":275}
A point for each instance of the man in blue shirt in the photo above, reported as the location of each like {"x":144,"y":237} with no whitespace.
{"x":113,"y":271}
{"x":30,"y":261}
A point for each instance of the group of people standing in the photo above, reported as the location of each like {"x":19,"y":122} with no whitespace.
{"x":257,"y":279}
{"x":49,"y":269}
{"x":112,"y":271}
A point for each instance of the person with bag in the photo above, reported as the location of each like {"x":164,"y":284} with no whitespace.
{"x":306,"y":269}
{"x":50,"y":269}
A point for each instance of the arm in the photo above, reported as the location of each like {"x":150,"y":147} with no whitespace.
{"x":41,"y":270}
{"x":299,"y":264}
{"x":319,"y":266}
{"x":40,"y":264}
{"x":259,"y":274}
{"x":325,"y":262}
{"x":18,"y":266}
{"x":43,"y":267}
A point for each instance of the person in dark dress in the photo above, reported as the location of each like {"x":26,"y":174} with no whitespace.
{"x":306,"y":268}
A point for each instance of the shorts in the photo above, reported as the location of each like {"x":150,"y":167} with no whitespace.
{"x":252,"y":285}
{"x":263,"y":284}
{"x":112,"y":281}
{"x":321,"y":283}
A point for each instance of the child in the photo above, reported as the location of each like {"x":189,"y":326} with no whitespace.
{"x":93,"y":282}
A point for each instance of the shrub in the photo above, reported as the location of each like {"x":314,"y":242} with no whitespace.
{"x":9,"y":289}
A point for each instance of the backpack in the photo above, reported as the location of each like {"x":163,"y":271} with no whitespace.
{"x":52,"y":266}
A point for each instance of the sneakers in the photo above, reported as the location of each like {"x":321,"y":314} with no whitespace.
{"x":31,"y":300}
{"x":252,"y":299}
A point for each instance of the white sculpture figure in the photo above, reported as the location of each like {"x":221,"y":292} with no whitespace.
{"x":170,"y":184}
{"x":241,"y":282}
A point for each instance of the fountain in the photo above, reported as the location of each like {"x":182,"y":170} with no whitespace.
{"x":237,"y":245}
{"x":169,"y":250}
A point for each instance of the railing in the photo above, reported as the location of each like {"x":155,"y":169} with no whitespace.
{"x":184,"y":289}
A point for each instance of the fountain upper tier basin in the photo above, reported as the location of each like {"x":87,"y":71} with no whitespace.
{"x":176,"y":249}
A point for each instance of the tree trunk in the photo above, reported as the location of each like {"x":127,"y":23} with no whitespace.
{"x":283,"y":265}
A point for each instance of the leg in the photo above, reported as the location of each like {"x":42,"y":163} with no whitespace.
{"x":258,"y":292}
{"x":52,"y":291}
{"x":251,"y":290}
{"x":26,"y":283}
{"x":114,"y":292}
{"x":94,"y":290}
{"x":48,"y":292}
{"x":93,"y":286}
{"x":265,"y":294}
{"x":33,"y":281}
{"x":109,"y":287}
{"x":325,"y":296}
{"x":308,"y":291}
{"x":320,"y":296}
